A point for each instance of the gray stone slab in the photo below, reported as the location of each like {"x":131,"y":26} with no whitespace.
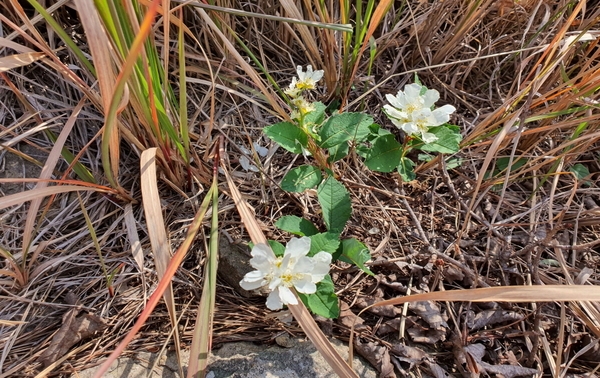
{"x":241,"y":360}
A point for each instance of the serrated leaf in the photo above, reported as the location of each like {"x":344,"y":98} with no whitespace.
{"x":335,"y":203}
{"x":277,"y":247}
{"x":323,"y":302}
{"x":338,"y":152}
{"x":406,"y":169}
{"x":296,"y":225}
{"x":355,"y":252}
{"x":326,"y":242}
{"x":301,"y":178}
{"x":343,"y":127}
{"x":447,"y":142}
{"x":288,"y":136}
{"x":384,"y":154}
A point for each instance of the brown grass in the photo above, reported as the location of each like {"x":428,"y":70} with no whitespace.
{"x":526,"y":91}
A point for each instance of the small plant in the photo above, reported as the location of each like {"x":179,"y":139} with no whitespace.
{"x":412,"y":111}
{"x":281,"y":272}
{"x":327,"y":139}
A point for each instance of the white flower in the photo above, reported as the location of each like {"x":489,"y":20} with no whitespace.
{"x":411,"y":111}
{"x":280,"y":274}
{"x":306,"y":81}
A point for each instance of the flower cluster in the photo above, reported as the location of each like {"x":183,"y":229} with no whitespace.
{"x":305,"y":81}
{"x":280,"y":274}
{"x":412,"y":110}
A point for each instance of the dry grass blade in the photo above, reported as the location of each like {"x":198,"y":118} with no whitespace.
{"x":30,"y":195}
{"x":488,"y":159}
{"x":161,"y":248}
{"x":546,"y":293}
{"x":98,"y":43}
{"x":46,"y":173}
{"x":162,"y":285}
{"x":300,"y":312}
{"x":203,"y":330}
{"x":134,"y":239}
{"x":308,"y":39}
{"x":268,"y":93}
{"x":19,"y":60}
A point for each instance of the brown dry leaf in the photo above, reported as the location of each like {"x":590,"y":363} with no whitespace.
{"x":389,"y":311}
{"x":415,"y":357}
{"x":490,"y":317}
{"x":477,"y":351}
{"x":349,"y":319}
{"x":390,"y":326}
{"x":452,"y":273}
{"x":429,"y":312}
{"x":74,"y":329}
{"x":377,"y":356}
{"x":411,"y":355}
{"x":426,"y":336}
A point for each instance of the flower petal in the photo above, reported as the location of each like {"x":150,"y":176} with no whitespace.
{"x":297,"y":247}
{"x":262,"y":258}
{"x":395,"y":113}
{"x":318,"y":75}
{"x":273,"y":301}
{"x":410,"y":128}
{"x":253,"y":280}
{"x":439,"y":117}
{"x":393,"y":100}
{"x":305,"y":285}
{"x":428,"y":137}
{"x":286,"y":295}
{"x":304,"y":264}
{"x":275,"y":282}
{"x":412,"y":91}
{"x":322,"y":262}
{"x":430,"y":97}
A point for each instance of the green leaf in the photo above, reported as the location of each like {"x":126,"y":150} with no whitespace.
{"x":376,"y":130}
{"x":355,"y":252}
{"x":288,"y":136}
{"x":277,"y":247}
{"x":301,"y":178}
{"x":326,"y":242}
{"x":324,"y":302}
{"x":296,"y":225}
{"x":580,"y":171}
{"x":335,"y":202}
{"x":447,"y":142}
{"x":338,"y":152}
{"x":502,"y":164}
{"x":343,"y":127}
{"x":385,"y":154}
{"x":406,"y":169}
